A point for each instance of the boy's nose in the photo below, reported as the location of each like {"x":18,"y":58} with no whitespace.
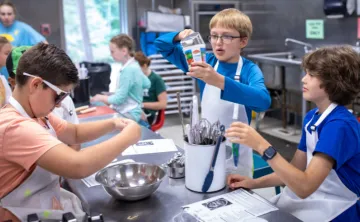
{"x":219,"y":41}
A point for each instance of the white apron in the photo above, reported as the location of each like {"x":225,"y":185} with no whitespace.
{"x":214,"y":108}
{"x":129,"y":104}
{"x":329,"y":200}
{"x":40,"y":193}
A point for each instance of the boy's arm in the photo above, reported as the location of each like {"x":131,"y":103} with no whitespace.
{"x":254,"y":95}
{"x":303,"y":182}
{"x":272,"y":180}
{"x":84,"y":132}
{"x":171,"y":50}
{"x":66,"y":162}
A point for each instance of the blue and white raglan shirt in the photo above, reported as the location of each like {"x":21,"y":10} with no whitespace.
{"x":339,"y":138}
{"x":250,"y":91}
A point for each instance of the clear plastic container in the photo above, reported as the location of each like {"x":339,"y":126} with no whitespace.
{"x":194,"y":48}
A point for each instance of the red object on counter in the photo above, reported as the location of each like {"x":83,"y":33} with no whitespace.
{"x":100,"y":110}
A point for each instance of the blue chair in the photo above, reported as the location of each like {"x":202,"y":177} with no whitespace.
{"x":262,"y":168}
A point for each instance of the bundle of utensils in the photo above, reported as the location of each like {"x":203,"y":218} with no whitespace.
{"x":178,"y":160}
{"x":199,"y":131}
{"x":175,"y":167}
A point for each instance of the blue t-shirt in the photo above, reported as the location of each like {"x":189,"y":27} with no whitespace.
{"x":339,"y":138}
{"x":19,"y":34}
{"x":250,"y":91}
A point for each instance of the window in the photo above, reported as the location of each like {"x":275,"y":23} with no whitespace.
{"x":89,"y":26}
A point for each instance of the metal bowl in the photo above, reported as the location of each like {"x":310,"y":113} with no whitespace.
{"x":130,"y":181}
{"x":175,"y":170}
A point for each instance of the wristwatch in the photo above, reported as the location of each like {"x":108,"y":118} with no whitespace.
{"x":269,"y":153}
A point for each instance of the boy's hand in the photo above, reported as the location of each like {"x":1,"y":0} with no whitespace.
{"x":121,"y":123}
{"x":183,"y":34}
{"x":205,"y":72}
{"x":133,"y":130}
{"x":236,"y":181}
{"x":244,"y":134}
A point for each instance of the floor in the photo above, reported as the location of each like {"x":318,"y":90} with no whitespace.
{"x":172,"y":129}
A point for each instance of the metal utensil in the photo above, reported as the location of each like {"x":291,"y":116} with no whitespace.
{"x":181,"y":114}
{"x":194,"y":111}
{"x":130,"y":181}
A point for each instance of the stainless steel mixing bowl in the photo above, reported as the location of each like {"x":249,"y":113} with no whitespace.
{"x":130,"y":181}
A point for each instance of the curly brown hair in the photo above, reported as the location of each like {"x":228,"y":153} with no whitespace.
{"x":124,"y":41}
{"x":338,"y":68}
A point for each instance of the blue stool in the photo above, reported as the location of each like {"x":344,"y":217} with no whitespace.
{"x":262,"y":168}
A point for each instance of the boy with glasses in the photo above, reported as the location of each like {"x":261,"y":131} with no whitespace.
{"x":32,"y":140}
{"x":226,"y":78}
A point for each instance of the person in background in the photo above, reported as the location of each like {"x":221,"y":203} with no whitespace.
{"x":323,"y":178}
{"x":33,"y":140}
{"x":5,"y":91}
{"x":17,"y":32}
{"x":155,"y":98}
{"x":131,"y":82}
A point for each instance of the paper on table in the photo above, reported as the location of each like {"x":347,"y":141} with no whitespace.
{"x":151,"y":146}
{"x":90,"y":180}
{"x":239,"y":205}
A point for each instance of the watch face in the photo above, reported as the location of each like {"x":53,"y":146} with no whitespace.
{"x":270,"y":152}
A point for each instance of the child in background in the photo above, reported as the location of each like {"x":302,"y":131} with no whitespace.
{"x":5,"y":92}
{"x":155,"y":98}
{"x":131,"y":82}
{"x":323,"y":179}
{"x":226,"y":78}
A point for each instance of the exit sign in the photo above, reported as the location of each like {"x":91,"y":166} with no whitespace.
{"x":315,"y":29}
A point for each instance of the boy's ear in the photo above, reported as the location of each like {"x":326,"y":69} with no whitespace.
{"x":11,"y":82}
{"x":34,"y":84}
{"x":243,"y":42}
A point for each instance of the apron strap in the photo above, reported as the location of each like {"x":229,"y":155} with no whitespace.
{"x":323,"y":116}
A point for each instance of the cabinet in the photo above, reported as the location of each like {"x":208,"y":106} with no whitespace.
{"x":175,"y":81}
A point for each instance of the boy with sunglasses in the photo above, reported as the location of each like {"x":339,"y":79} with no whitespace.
{"x":65,"y":110}
{"x":32,"y":140}
{"x":226,"y":78}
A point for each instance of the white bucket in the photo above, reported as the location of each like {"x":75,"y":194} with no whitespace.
{"x":198,"y":160}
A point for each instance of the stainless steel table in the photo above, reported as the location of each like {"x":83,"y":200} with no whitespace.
{"x":161,"y":206}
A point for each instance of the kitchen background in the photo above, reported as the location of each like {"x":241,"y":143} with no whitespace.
{"x":273,"y":22}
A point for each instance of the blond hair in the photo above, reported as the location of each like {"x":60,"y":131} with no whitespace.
{"x":232,"y":18}
{"x":124,"y":41}
{"x":3,"y":41}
